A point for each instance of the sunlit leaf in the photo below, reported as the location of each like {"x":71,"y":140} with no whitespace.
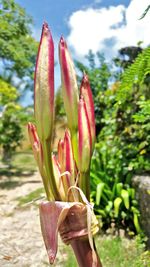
{"x":117,"y":203}
{"x":99,"y":191}
{"x":125,"y":196}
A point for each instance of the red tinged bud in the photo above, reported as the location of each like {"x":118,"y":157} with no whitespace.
{"x":85,"y":141}
{"x":86,"y":92}
{"x":69,"y":164}
{"x":61,"y":151}
{"x":69,"y":86}
{"x":36,"y":145}
{"x":57,"y":175}
{"x":65,"y":156}
{"x":44,"y":85}
{"x":66,"y":161}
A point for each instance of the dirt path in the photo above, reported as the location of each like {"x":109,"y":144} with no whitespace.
{"x":21,"y":243}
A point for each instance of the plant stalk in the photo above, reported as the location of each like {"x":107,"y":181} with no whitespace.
{"x":83,"y":253}
{"x":49,"y":169}
{"x":84,"y":183}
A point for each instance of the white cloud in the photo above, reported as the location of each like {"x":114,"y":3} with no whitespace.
{"x":108,"y":29}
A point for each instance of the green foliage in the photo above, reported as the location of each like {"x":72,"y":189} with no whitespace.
{"x":123,"y":148}
{"x":127,"y":56}
{"x":12,"y":117}
{"x":18,"y":47}
{"x":17,"y":59}
{"x":7,"y":93}
{"x":10,"y":129}
{"x":114,"y":200}
{"x":137,"y":75}
{"x":142,"y":116}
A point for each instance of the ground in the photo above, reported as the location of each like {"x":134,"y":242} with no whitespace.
{"x":21,"y":243}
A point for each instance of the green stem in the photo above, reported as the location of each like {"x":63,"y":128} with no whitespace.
{"x":49,"y":170}
{"x":84,"y":183}
{"x":74,"y":140}
{"x":47,"y":188}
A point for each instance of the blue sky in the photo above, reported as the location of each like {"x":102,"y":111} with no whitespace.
{"x":99,"y":25}
{"x":57,"y":12}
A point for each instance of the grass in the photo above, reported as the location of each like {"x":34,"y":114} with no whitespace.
{"x":33,"y":196}
{"x":24,"y":160}
{"x":120,"y":252}
{"x":114,"y":252}
{"x":21,"y":162}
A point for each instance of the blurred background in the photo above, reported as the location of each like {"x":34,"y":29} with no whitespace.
{"x":109,"y":40}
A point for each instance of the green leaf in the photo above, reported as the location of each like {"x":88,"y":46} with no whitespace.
{"x":125,"y":196}
{"x":101,"y":212}
{"x":119,"y":187}
{"x":117,"y":203}
{"x":136,"y":223}
{"x":131,"y":192}
{"x":109,"y":206}
{"x":99,"y":191}
{"x":135,"y":210}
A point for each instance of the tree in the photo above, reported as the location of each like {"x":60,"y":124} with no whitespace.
{"x":126,"y":57}
{"x":17,"y":47}
{"x":12,"y":115}
{"x":17,"y":59}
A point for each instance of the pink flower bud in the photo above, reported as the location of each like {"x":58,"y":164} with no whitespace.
{"x":57,"y":175}
{"x":69,"y":86}
{"x":86,"y":92}
{"x":66,"y":161}
{"x":44,"y":85}
{"x":36,"y":145}
{"x":85,"y":141}
{"x":61,"y":152}
{"x":69,"y":164}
